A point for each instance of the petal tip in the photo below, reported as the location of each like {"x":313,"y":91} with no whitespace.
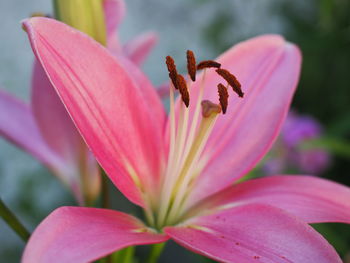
{"x":294,"y":48}
{"x":273,"y":38}
{"x":25,"y":24}
{"x":28,"y":22}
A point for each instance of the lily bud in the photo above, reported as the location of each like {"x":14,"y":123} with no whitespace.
{"x":85,"y":15}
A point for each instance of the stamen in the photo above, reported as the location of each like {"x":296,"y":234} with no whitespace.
{"x":209,"y":108}
{"x":182,"y":86}
{"x":172,"y":70}
{"x":189,"y":134}
{"x":167,"y":180}
{"x":208,"y":64}
{"x":191,"y":65}
{"x":232,"y":80}
{"x":223,"y":97}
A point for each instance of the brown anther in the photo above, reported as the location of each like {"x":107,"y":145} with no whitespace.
{"x":181,"y":84}
{"x":208,"y":108}
{"x":172,"y":70}
{"x":223,"y":97}
{"x":232,"y":80}
{"x":208,"y":64}
{"x":191,"y":65}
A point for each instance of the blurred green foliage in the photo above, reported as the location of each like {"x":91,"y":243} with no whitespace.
{"x":323,"y":34}
{"x":322,"y":30}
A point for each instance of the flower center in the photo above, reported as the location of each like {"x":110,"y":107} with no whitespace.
{"x":189,"y":135}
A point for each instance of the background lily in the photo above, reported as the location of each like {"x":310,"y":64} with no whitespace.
{"x":180,"y":169}
{"x":138,"y":48}
{"x":44,"y":128}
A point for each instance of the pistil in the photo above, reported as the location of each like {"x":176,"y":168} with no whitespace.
{"x":210,"y":112}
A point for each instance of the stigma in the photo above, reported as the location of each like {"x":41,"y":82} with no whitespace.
{"x":190,"y":127}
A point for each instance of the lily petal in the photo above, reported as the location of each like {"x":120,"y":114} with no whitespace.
{"x":80,"y":235}
{"x":18,"y":125}
{"x":105,"y":104}
{"x":82,"y":172}
{"x":268,"y":68}
{"x":254,"y":233}
{"x":312,"y":199}
{"x":138,"y":49}
{"x":149,"y":92}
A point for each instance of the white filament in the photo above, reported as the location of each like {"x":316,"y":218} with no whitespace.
{"x":187,"y":142}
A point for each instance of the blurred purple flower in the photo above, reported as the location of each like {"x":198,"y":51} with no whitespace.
{"x":312,"y":161}
{"x":289,"y":151}
{"x":299,"y":128}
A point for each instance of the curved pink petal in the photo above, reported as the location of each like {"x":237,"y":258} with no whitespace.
{"x":114,"y":14}
{"x":82,"y":171}
{"x":80,"y":235}
{"x":138,"y":49}
{"x":254,"y":233}
{"x":268,"y":69}
{"x":105,"y":103}
{"x":312,"y":199}
{"x":18,"y":125}
{"x":149,"y":92}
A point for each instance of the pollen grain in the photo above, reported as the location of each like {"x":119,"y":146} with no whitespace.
{"x":232,"y":80}
{"x":181,"y":84}
{"x":172,"y":70}
{"x":208,"y":64}
{"x":223,"y":97}
{"x":191,"y":65}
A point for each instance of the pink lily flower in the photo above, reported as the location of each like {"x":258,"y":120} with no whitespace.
{"x":181,"y":169}
{"x":44,"y":128}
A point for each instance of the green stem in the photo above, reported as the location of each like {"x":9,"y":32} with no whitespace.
{"x":125,"y":255}
{"x":13,"y":222}
{"x":106,"y":202}
{"x":155,"y":252}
